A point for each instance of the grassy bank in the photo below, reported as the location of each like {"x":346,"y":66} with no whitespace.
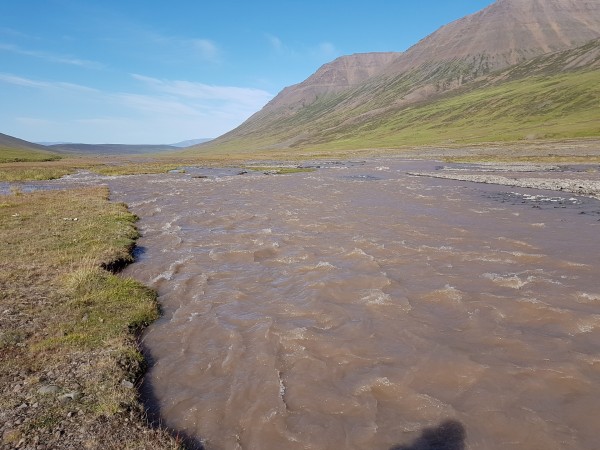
{"x":68,"y":353}
{"x":499,"y":108}
{"x":49,"y":170}
{"x":42,"y":170}
{"x":12,"y":154}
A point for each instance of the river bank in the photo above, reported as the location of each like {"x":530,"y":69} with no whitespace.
{"x":69,"y":359}
{"x":575,"y":179}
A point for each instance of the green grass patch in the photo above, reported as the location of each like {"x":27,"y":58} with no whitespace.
{"x":14,"y":154}
{"x":68,"y":322}
{"x":42,"y":170}
{"x":136,"y":168}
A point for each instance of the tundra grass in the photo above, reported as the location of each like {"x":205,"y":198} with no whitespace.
{"x":42,"y":170}
{"x":68,"y":352}
{"x":49,"y":170}
{"x":556,"y":107}
{"x":14,"y":154}
{"x":544,"y":107}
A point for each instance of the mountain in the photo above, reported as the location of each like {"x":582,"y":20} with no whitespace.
{"x":190,"y":142}
{"x":111,"y":149}
{"x":343,"y":73}
{"x":356,"y":97}
{"x":506,"y":33}
{"x":13,"y":149}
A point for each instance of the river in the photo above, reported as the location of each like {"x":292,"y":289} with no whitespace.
{"x":359,"y":307}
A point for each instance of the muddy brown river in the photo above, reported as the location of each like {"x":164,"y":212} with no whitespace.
{"x":358,"y":307}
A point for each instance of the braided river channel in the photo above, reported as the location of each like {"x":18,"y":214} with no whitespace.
{"x":360,"y":307}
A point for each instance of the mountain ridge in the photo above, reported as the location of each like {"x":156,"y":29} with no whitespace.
{"x":505,"y":34}
{"x":13,"y":149}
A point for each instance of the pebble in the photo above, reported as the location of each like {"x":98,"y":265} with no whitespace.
{"x":127,"y":384}
{"x":48,"y":389}
{"x":74,"y":396}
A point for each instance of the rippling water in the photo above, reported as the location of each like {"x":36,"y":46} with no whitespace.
{"x":355,"y":307}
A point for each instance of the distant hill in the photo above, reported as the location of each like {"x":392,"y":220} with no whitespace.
{"x":191,"y":142}
{"x":395,"y":99}
{"x":111,"y":149}
{"x":13,"y":149}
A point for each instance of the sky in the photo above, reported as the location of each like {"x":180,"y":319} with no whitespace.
{"x":158,"y":72}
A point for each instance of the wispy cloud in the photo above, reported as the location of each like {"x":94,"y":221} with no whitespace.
{"x":167,"y":47}
{"x":200,"y":91}
{"x":13,"y":33}
{"x":61,"y":59}
{"x":21,"y":81}
{"x":326,"y":49}
{"x":207,"y":49}
{"x":322,"y":50}
{"x":275,"y":42}
{"x":28,"y":82}
{"x":154,"y":105}
{"x":178,"y":108}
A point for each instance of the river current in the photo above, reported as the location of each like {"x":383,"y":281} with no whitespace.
{"x":358,"y":307}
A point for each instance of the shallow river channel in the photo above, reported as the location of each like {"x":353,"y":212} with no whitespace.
{"x":358,"y":307}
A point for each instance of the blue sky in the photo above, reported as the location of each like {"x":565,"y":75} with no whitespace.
{"x":155,"y":72}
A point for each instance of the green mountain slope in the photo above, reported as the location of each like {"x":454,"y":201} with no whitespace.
{"x":552,"y":96}
{"x":14,"y":150}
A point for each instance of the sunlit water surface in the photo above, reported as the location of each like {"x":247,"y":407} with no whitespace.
{"x":355,"y":306}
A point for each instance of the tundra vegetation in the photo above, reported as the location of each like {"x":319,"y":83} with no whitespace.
{"x":69,"y":359}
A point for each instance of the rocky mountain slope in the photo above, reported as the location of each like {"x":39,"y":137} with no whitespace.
{"x":506,"y":33}
{"x":370,"y":90}
{"x":343,"y":73}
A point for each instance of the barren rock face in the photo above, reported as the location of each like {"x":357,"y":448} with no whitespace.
{"x":342,"y":73}
{"x":352,"y":70}
{"x":507,"y":32}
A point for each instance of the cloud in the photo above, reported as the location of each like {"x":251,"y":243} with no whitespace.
{"x":28,"y":82}
{"x":61,"y":59}
{"x":156,"y":110}
{"x":153,"y":105}
{"x":207,"y":49}
{"x":326,"y":49}
{"x":275,"y":42}
{"x":165,"y":47}
{"x":20,"y":81}
{"x":323,"y":50}
{"x":200,"y":91}
{"x":13,"y":33}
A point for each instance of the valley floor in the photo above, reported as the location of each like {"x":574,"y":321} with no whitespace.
{"x":68,"y":367}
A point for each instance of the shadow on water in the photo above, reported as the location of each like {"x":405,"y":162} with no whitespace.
{"x":138,"y":252}
{"x":152,"y":408}
{"x":449,"y":435}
